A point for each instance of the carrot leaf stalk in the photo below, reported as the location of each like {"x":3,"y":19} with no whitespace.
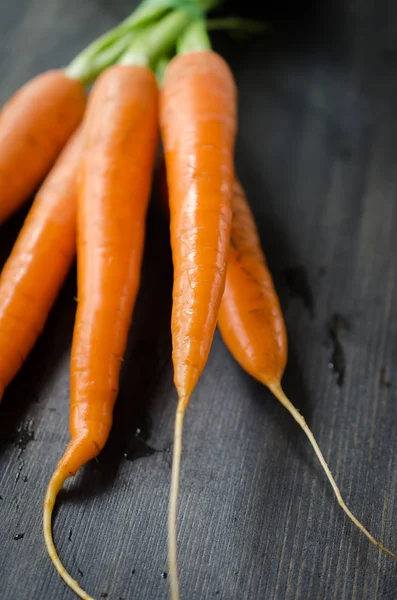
{"x":161,"y":67}
{"x":194,"y":39}
{"x":107,"y":49}
{"x":156,"y":39}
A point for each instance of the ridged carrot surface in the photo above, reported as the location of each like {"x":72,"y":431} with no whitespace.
{"x":198,"y":126}
{"x":35,"y":124}
{"x":39,"y":262}
{"x":120,"y":142}
{"x":250,"y":317}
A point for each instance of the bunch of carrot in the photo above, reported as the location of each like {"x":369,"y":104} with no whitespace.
{"x":98,"y":161}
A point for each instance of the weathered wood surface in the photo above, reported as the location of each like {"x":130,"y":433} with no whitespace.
{"x":317,"y":153}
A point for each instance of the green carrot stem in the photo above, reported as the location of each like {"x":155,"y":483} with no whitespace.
{"x":156,"y":40}
{"x":161,"y":67}
{"x":105,"y":50}
{"x":194,"y":39}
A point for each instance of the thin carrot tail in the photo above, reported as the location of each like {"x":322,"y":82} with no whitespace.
{"x":173,"y":504}
{"x":277,"y":390}
{"x":61,"y":474}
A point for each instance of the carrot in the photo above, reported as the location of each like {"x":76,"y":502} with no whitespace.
{"x":252,"y":326}
{"x":39,"y":262}
{"x":198,"y":126}
{"x":120,"y":140}
{"x":34,"y":126}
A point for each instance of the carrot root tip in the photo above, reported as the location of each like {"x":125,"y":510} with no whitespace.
{"x":278,"y":392}
{"x":173,"y":503}
{"x":53,"y":489}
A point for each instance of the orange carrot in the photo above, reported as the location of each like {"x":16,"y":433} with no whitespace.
{"x":252,"y":326}
{"x":34,"y":126}
{"x":250,"y":318}
{"x":120,"y":140}
{"x":198,"y":126}
{"x":39,"y":262}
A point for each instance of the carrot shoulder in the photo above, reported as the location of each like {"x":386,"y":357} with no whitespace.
{"x":38,"y":264}
{"x":35,"y":124}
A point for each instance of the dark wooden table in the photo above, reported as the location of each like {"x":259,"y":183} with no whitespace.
{"x":317,"y":154}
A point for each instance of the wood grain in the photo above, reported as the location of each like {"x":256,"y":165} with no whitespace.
{"x":317,"y":154}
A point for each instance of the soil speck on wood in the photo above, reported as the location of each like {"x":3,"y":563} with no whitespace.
{"x":337,"y":363}
{"x":298,"y":285}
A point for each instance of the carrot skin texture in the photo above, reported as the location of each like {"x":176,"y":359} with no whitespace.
{"x":198,"y":126}
{"x":250,"y":318}
{"x":35,"y":124}
{"x":39,"y":262}
{"x":120,"y":141}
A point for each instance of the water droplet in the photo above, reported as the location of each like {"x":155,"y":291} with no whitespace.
{"x":26,"y":434}
{"x":164,"y":575}
{"x":139,"y":449}
{"x":18,"y":536}
{"x":384,"y":381}
{"x":24,"y":479}
{"x":336,"y":325}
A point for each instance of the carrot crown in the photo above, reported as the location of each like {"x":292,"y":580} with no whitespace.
{"x":157,"y":39}
{"x":151,"y":33}
{"x":128,"y":39}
